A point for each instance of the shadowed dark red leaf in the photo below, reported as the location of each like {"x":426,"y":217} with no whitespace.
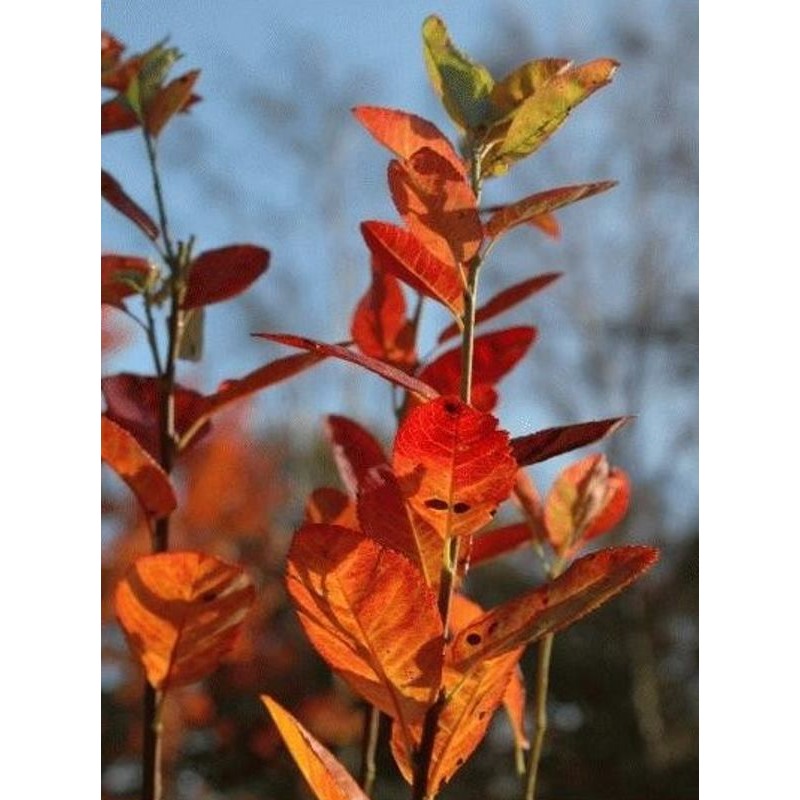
{"x":386,"y":371}
{"x":494,"y":355}
{"x":587,"y":584}
{"x":586,"y":500}
{"x":331,"y":507}
{"x":169,"y":100}
{"x":535,"y":205}
{"x":218,"y":275}
{"x":327,"y":778}
{"x":552,"y":442}
{"x":115,"y":195}
{"x":405,"y":133}
{"x":504,"y":300}
{"x":137,"y":468}
{"x":116,"y":116}
{"x":380,"y":327}
{"x":181,"y":613}
{"x":133,"y":403}
{"x":454,"y":465}
{"x":355,"y":451}
{"x":438,"y":206}
{"x":370,"y":615}
{"x":113,"y":270}
{"x":400,"y":252}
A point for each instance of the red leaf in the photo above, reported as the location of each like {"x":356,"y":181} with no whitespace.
{"x":218,"y":275}
{"x":133,"y":403}
{"x":380,"y":327}
{"x":170,"y":99}
{"x":495,"y":354}
{"x":438,"y":206}
{"x":553,"y":442}
{"x":331,"y":507}
{"x":110,"y":51}
{"x":116,"y":116}
{"x":114,"y":194}
{"x":327,"y":778}
{"x":454,"y":465}
{"x":587,"y":584}
{"x":495,"y":543}
{"x":398,"y":251}
{"x":181,"y":613}
{"x":274,"y":372}
{"x":586,"y":500}
{"x":136,"y":467}
{"x":503,"y":301}
{"x":112,"y":268}
{"x":405,"y":133}
{"x":370,"y":615}
{"x":533,"y":206}
{"x":355,"y":451}
{"x":386,"y":371}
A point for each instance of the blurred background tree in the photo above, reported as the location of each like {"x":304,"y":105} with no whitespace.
{"x":273,"y":156}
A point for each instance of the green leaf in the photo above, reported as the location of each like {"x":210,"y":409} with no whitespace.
{"x":463,"y":85}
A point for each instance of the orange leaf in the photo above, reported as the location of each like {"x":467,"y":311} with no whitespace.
{"x":114,"y":194}
{"x":494,"y":355}
{"x":400,"y":252}
{"x":514,"y":702}
{"x":386,"y":371}
{"x":405,"y":133}
{"x":453,"y":465}
{"x":328,"y":779}
{"x":137,"y":468}
{"x":218,"y":275}
{"x":527,"y":209}
{"x":472,"y":699}
{"x":438,"y":206}
{"x":587,"y":584}
{"x":331,"y":507}
{"x":169,"y":100}
{"x":380,"y":327}
{"x":181,"y":613}
{"x":355,"y":451}
{"x":553,"y":442}
{"x":492,"y":544}
{"x":547,"y":224}
{"x":113,"y":268}
{"x":586,"y":500}
{"x":504,"y":300}
{"x":370,"y":615}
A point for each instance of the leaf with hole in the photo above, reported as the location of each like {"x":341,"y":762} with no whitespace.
{"x":181,"y":613}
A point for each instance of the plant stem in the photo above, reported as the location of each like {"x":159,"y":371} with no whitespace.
{"x":369,"y":746}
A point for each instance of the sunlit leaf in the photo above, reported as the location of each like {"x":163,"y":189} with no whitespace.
{"x":331,"y":507}
{"x":472,"y":699}
{"x":535,"y":205}
{"x":328,"y":779}
{"x":498,"y":542}
{"x":380,"y":327}
{"x":119,"y":276}
{"x":547,"y":224}
{"x":587,"y":584}
{"x":386,"y":371}
{"x":586,"y":500}
{"x":400,"y":252}
{"x":504,"y":300}
{"x":454,"y":465}
{"x":217,"y":275}
{"x":531,"y":123}
{"x":181,"y":613}
{"x":169,"y":100}
{"x":526,"y":79}
{"x":355,"y":450}
{"x":464,"y":86}
{"x":133,"y":402}
{"x":494,"y":355}
{"x":514,"y":704}
{"x":370,"y":615}
{"x":553,"y":442}
{"x":438,"y":206}
{"x":404,"y":133}
{"x":113,"y":193}
{"x":137,"y":468}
